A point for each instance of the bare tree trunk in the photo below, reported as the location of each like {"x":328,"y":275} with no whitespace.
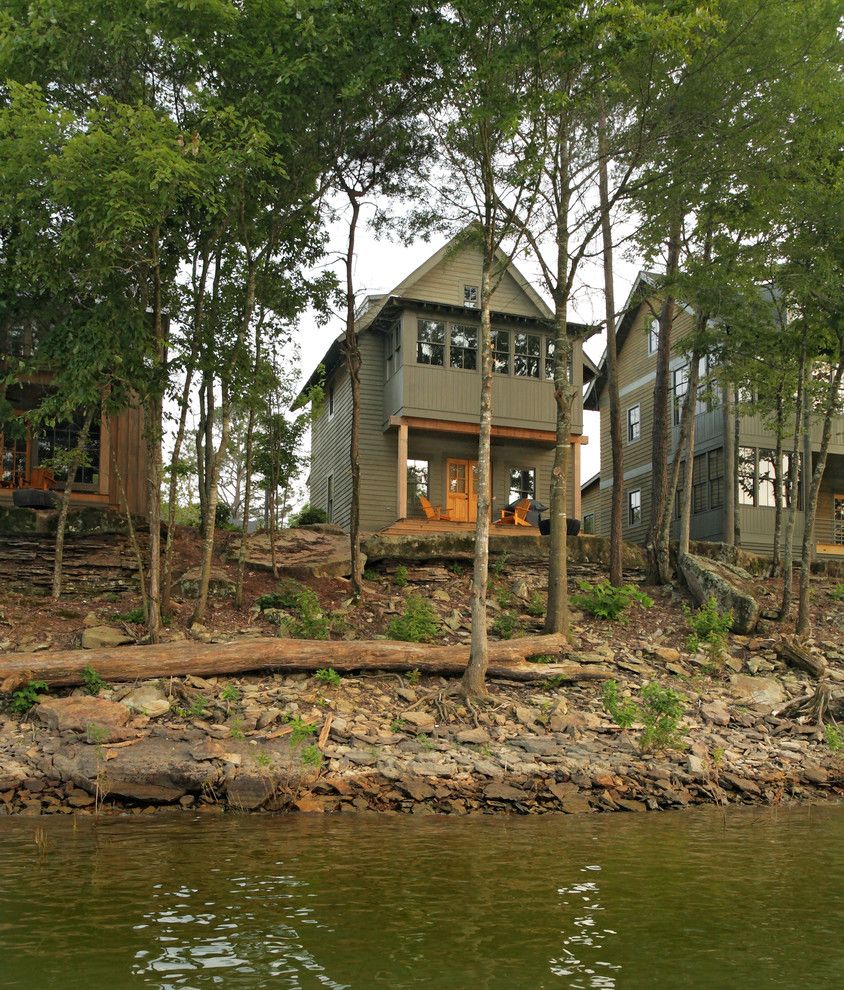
{"x":686,"y":444}
{"x":247,"y":483}
{"x":804,"y":622}
{"x":153,"y":432}
{"x":659,"y":568}
{"x":775,"y":556}
{"x":617,"y":496}
{"x":473,"y":679}
{"x":794,"y":490}
{"x":353,"y":365}
{"x":273,"y":525}
{"x":736,"y":541}
{"x":133,"y":536}
{"x":61,"y":524}
{"x":730,"y":467}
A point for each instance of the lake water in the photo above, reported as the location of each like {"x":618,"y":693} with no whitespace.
{"x":742,"y":900}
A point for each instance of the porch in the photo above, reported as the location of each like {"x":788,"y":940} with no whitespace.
{"x":829,"y":523}
{"x":430,"y":527}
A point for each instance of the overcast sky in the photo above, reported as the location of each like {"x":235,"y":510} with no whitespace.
{"x":381,"y":264}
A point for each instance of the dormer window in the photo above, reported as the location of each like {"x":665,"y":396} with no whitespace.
{"x":653,"y":337}
{"x":471,"y":296}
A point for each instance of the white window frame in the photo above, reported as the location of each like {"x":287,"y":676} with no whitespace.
{"x":653,"y":336}
{"x":638,"y":407}
{"x":630,"y":508}
{"x":471,"y":296}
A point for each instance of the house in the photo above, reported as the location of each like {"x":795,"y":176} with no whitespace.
{"x":637,"y":338}
{"x":116,"y":449}
{"x":420,"y":399}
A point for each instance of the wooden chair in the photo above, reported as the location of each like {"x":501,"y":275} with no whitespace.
{"x":433,"y":513}
{"x":517,"y":516}
{"x":42,"y":478}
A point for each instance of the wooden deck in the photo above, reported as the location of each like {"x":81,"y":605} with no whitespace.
{"x":424,"y":527}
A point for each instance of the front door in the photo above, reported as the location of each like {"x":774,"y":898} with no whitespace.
{"x":462,"y":490}
{"x":838,"y":520}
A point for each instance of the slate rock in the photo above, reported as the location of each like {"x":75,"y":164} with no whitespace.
{"x":104,"y":637}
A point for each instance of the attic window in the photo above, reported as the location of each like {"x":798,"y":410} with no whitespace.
{"x":471,"y":296}
{"x":653,"y":337}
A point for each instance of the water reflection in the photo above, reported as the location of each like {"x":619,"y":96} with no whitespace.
{"x":584,"y":960}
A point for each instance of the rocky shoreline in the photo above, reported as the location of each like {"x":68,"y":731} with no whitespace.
{"x":394,"y":744}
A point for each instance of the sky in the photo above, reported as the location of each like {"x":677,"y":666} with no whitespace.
{"x":382,"y":264}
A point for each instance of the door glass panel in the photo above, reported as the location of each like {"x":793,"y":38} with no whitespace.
{"x":457,"y":478}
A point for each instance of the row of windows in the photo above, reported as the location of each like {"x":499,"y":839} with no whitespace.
{"x":48,"y":449}
{"x":525,"y":355}
{"x":757,"y":469}
{"x":708,"y":483}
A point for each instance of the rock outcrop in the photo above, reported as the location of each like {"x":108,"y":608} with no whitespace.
{"x":730,"y":585}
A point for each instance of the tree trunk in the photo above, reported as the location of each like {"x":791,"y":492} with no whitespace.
{"x":616,"y":441}
{"x":775,"y":557}
{"x":736,"y":443}
{"x":473,"y":679}
{"x":686,"y":443}
{"x":353,"y":365}
{"x":659,"y":567}
{"x":247,"y":483}
{"x":804,"y":622}
{"x":61,"y":524}
{"x":153,"y":432}
{"x":794,"y":491}
{"x":133,"y":536}
{"x":128,"y":663}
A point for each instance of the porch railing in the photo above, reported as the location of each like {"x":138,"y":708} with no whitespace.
{"x":830,"y":533}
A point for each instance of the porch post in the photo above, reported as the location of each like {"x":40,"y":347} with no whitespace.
{"x":575,"y":450}
{"x":401,"y":472}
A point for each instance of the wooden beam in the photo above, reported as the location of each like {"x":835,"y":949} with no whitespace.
{"x":472,"y":429}
{"x":575,"y":449}
{"x":401,"y":473}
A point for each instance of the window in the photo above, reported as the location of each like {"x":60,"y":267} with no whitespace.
{"x":526,"y":361}
{"x":13,"y":458}
{"x":430,"y":342}
{"x":746,"y":476}
{"x":716,"y":478}
{"x":678,"y":494}
{"x":392,"y":343}
{"x":679,"y":390}
{"x":708,"y":392}
{"x":417,"y":480}
{"x":589,"y":523}
{"x":634,"y":424}
{"x":501,"y":352}
{"x":330,"y":401}
{"x":766,"y":478}
{"x":786,"y":477}
{"x":653,"y":336}
{"x":62,"y":438}
{"x":471,"y":296}
{"x":699,"y":484}
{"x":550,"y":348}
{"x":329,"y":498}
{"x":464,"y":347}
{"x":634,"y":507}
{"x":522,"y":484}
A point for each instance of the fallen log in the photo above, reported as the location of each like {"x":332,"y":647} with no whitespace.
{"x":64,"y":668}
{"x":798,"y":656}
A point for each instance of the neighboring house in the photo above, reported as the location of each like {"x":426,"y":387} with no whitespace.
{"x":116,"y":450}
{"x":420,"y":399}
{"x":637,"y":345}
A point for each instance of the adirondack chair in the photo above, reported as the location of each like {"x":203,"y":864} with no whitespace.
{"x":434,"y":512}
{"x":517,"y":516}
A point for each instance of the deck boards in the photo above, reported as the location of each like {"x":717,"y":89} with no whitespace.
{"x":423,"y":527}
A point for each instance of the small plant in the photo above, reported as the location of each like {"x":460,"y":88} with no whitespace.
{"x":457,"y":569}
{"x":397,"y":725}
{"x":425,"y":742}
{"x":310,"y":622}
{"x":301,"y":730}
{"x":543,"y":658}
{"x":329,"y":676}
{"x":837,"y":593}
{"x":418,"y":623}
{"x":718,"y":756}
{"x":198,"y":707}
{"x":311,"y":755}
{"x":834,"y":738}
{"x":709,"y":627}
{"x":497,"y":569}
{"x":605,"y":601}
{"x":504,"y":598}
{"x":286,"y":596}
{"x":535,"y":605}
{"x":229,"y":694}
{"x":506,"y":625}
{"x":370,"y":575}
{"x":92,"y":681}
{"x":414,"y":676}
{"x":236,"y":729}
{"x":263,"y":760}
{"x":400,"y":578}
{"x":96,"y":734}
{"x":24,"y":698}
{"x":135,"y":616}
{"x":623,"y":712}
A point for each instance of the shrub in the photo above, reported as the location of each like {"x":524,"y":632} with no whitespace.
{"x":400,"y":577}
{"x":834,"y":738}
{"x":134,"y":616}
{"x":311,"y":756}
{"x":623,"y":713}
{"x":709,"y":626}
{"x":535,"y":605}
{"x":506,"y":626}
{"x":222,"y":515}
{"x":310,"y":622}
{"x":24,"y":698}
{"x":307,"y":516}
{"x":497,"y":568}
{"x":418,"y":623}
{"x":837,"y":593}
{"x":328,"y":675}
{"x":92,"y":681}
{"x":659,"y":710}
{"x":605,"y":601}
{"x":229,"y":693}
{"x":301,"y":730}
{"x":285,"y":596}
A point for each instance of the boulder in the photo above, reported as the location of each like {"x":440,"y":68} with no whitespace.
{"x":757,"y":690}
{"x":147,"y":699}
{"x":220,"y":585}
{"x":78,"y":714}
{"x":731,"y":586}
{"x":321,"y":550}
{"x":104,"y":637}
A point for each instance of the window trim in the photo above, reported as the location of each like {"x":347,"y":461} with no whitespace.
{"x":520,"y":469}
{"x":587,"y":530}
{"x":444,"y":345}
{"x":631,"y":522}
{"x":638,"y":407}
{"x":476,"y":330}
{"x":467,"y":294}
{"x":653,"y":335}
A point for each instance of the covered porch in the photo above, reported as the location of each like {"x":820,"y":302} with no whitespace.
{"x":829,"y":523}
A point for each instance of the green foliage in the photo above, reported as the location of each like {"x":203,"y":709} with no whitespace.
{"x":659,"y":710}
{"x":418,"y":623}
{"x":286,"y":596}
{"x":263,"y":760}
{"x":837,"y":593}
{"x":709,"y":626}
{"x":623,"y":712}
{"x":222,"y":514}
{"x":605,"y":601}
{"x":236,"y":729}
{"x":400,"y":577}
{"x":425,"y":742}
{"x":24,"y":698}
{"x":397,"y":724}
{"x":457,"y":569}
{"x":834,"y":737}
{"x":328,"y":675}
{"x":535,"y":605}
{"x":504,"y":597}
{"x":311,"y":755}
{"x":506,"y":625}
{"x":92,"y":681}
{"x":96,"y":734}
{"x":301,"y":730}
{"x":229,"y":693}
{"x":134,"y":616}
{"x":307,"y":516}
{"x":498,"y":567}
{"x":371,"y":575}
{"x":414,"y":676}
{"x":543,"y":658}
{"x":310,"y":622}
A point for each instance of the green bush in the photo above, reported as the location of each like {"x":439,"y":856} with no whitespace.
{"x":24,"y":698}
{"x":301,"y":730}
{"x":134,"y":616}
{"x":506,"y":625}
{"x":310,"y":622}
{"x":400,"y":578}
{"x":834,"y":738}
{"x":623,"y":713}
{"x":659,"y":710}
{"x":418,"y":623}
{"x":709,"y":626}
{"x":605,"y":601}
{"x":307,"y":516}
{"x":328,"y":675}
{"x":499,"y":565}
{"x":535,"y":605}
{"x":92,"y":681}
{"x":311,"y":756}
{"x":837,"y":593}
{"x":285,"y":596}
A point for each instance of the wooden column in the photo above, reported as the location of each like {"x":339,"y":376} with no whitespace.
{"x":401,"y":472}
{"x":575,"y":454}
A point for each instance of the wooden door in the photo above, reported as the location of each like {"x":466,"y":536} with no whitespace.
{"x":462,"y":489}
